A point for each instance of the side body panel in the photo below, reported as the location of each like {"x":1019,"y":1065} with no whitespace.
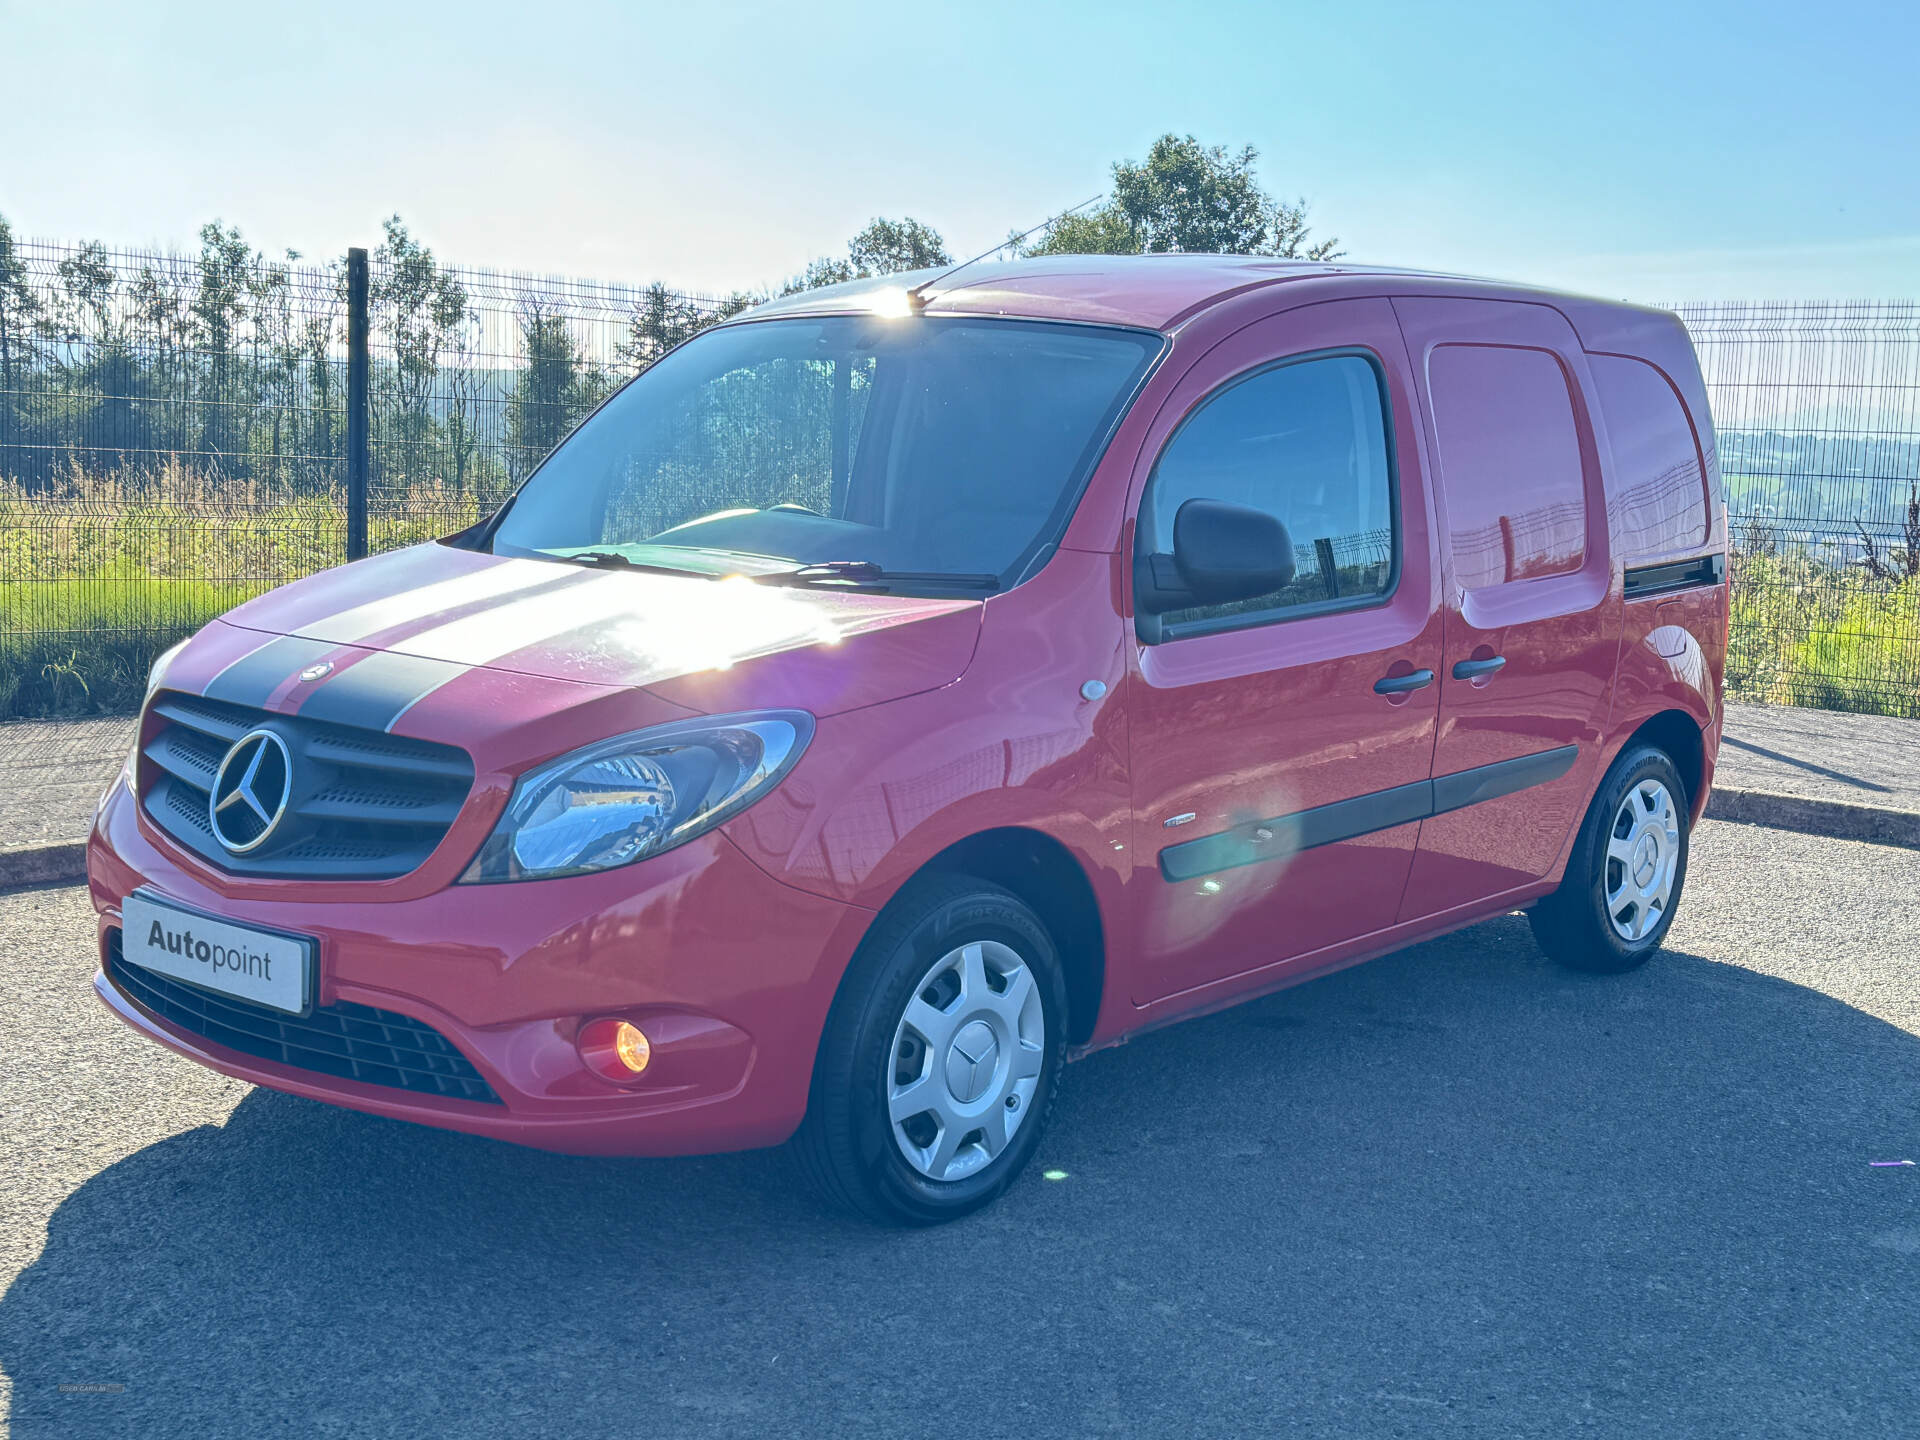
{"x":1665,"y":506}
{"x":1672,"y":651}
{"x":1012,"y":744}
{"x":1237,"y":733}
{"x":1545,"y":608}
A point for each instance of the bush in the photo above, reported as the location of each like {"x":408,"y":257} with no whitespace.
{"x":1807,"y":632}
{"x":1868,"y":659}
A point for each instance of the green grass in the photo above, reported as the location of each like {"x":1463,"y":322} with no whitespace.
{"x":92,"y":641}
{"x":102,"y":574}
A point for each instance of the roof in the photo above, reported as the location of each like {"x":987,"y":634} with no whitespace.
{"x":1157,"y":292}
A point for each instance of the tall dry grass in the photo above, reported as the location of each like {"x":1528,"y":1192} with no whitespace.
{"x":101,"y":572}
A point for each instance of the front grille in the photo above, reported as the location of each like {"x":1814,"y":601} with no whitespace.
{"x":364,"y":805}
{"x":352,"y":1042}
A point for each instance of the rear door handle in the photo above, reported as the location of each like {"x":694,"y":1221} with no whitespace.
{"x":1474,"y":669}
{"x":1401,"y":684}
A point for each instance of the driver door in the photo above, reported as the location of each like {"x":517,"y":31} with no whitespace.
{"x":1282,"y":745}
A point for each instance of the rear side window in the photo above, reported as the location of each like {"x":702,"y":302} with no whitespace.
{"x":1658,"y":493}
{"x":1305,"y":441}
{"x":1509,"y":463}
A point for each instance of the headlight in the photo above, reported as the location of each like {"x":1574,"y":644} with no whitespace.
{"x":636,"y":795}
{"x":158,"y":671}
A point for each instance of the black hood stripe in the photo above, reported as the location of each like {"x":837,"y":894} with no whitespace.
{"x":430,"y":606}
{"x":374,"y":692}
{"x":253,"y":678}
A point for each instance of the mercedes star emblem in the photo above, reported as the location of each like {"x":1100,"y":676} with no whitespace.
{"x":250,"y":792}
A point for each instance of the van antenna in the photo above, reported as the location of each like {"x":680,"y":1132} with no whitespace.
{"x":918,"y":301}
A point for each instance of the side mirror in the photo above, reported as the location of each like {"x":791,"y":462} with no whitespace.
{"x":1221,"y":553}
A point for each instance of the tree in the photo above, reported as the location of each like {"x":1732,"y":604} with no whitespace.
{"x":545,"y":399}
{"x":19,"y":310}
{"x":84,"y":308}
{"x":324,"y":446}
{"x":885,"y":247}
{"x":423,"y":307}
{"x":104,"y":389}
{"x":219,"y":304}
{"x":1188,"y":197}
{"x":661,"y":320}
{"x":160,"y":321}
{"x":462,"y":438}
{"x":1104,"y":231}
{"x":276,"y":359}
{"x":1896,"y":563}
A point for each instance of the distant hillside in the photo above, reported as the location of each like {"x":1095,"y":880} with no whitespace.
{"x":1820,"y":480}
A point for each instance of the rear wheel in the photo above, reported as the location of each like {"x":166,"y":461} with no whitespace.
{"x":1626,"y":872}
{"x":938,"y":1067}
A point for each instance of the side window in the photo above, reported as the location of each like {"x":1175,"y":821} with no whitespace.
{"x":1509,"y":463}
{"x":1657,"y":494}
{"x":1306,"y":442}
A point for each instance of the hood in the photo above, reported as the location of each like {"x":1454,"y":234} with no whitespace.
{"x":702,"y":645}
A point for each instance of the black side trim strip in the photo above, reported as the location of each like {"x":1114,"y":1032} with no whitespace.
{"x":1302,"y":830}
{"x":1286,"y":835}
{"x":1503,"y":777}
{"x":1644,"y":580}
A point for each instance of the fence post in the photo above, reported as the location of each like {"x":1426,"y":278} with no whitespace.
{"x":357,"y":404}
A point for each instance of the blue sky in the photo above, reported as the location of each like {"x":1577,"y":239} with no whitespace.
{"x":1657,"y":151}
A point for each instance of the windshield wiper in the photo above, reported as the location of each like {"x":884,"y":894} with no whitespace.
{"x":868,"y":573}
{"x":614,"y":560}
{"x":858,"y":574}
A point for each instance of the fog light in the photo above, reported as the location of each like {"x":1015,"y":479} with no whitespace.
{"x":614,"y":1049}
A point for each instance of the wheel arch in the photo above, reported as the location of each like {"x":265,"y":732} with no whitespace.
{"x":1678,"y":734}
{"x":1045,"y":874}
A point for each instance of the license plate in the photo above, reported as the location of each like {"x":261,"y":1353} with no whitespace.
{"x":262,"y":967}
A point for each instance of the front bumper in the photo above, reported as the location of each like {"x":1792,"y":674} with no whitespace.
{"x":730,"y":972}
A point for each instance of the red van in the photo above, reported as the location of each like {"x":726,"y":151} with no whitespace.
{"x":914,"y":684}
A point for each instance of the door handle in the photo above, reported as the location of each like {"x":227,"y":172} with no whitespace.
{"x":1476,"y":669}
{"x":1401,"y":684}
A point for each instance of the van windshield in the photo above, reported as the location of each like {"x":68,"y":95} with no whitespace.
{"x":913,"y":452}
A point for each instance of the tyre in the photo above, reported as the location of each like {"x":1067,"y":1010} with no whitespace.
{"x":941,"y":1057}
{"x":1626,"y":871}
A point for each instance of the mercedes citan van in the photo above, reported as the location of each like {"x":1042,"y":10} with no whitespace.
{"x":914,"y":684}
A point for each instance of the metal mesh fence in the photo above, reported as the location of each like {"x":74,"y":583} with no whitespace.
{"x":174,"y":430}
{"x":174,"y":438}
{"x":1817,"y":408}
{"x":477,"y":375}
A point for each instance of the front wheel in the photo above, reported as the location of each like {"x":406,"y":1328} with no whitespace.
{"x":940,"y":1060}
{"x":1626,"y":872}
